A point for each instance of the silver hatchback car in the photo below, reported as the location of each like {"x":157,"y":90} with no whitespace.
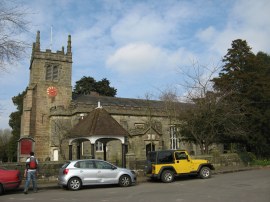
{"x":77,"y":173}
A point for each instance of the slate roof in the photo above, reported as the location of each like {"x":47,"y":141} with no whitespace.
{"x":97,"y":123}
{"x":117,"y":101}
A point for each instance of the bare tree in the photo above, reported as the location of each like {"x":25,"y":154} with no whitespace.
{"x":12,"y":23}
{"x":197,"y":80}
{"x":60,"y":130}
{"x":212,"y":119}
{"x":199,"y":124}
{"x":170,"y":98}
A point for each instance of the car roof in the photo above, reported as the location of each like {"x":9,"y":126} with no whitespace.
{"x":86,"y":160}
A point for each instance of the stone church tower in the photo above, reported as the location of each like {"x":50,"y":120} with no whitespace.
{"x":49,"y":86}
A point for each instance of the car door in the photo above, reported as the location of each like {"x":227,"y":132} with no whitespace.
{"x":107,"y":173}
{"x":182,"y":163}
{"x":88,"y":173}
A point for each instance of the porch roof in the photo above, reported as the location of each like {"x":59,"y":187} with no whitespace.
{"x":98,"y":123}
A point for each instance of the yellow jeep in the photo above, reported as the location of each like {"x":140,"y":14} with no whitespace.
{"x":167,"y":164}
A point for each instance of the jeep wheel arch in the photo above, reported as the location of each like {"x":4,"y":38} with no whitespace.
{"x":209,"y":165}
{"x":165,"y":168}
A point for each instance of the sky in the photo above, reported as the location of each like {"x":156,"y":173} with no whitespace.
{"x":140,"y":46}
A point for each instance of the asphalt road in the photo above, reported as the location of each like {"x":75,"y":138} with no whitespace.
{"x":246,"y":186}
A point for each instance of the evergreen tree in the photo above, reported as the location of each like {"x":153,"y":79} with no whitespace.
{"x":231,"y":79}
{"x":15,"y":124}
{"x":258,"y":96}
{"x":86,"y":85}
{"x":244,"y":82}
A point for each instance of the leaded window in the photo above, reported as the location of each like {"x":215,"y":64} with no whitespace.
{"x":99,"y":146}
{"x":174,"y":137}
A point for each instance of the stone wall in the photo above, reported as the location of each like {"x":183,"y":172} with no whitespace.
{"x":48,"y":171}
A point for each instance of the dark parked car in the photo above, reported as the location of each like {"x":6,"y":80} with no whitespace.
{"x":77,"y":173}
{"x":9,"y":179}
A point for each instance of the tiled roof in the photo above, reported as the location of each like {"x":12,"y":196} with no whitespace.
{"x":98,"y":123}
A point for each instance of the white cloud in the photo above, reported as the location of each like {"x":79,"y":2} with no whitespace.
{"x":141,"y":25}
{"x":140,"y":58}
{"x":207,"y":35}
{"x":248,"y":20}
{"x":251,"y":20}
{"x":137,"y":58}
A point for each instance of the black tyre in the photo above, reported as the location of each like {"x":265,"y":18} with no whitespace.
{"x":74,"y":184}
{"x":124,"y":181}
{"x":205,"y":173}
{"x":167,"y":176}
{"x":64,"y":187}
{"x":1,"y":189}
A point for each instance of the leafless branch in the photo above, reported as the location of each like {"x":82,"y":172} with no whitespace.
{"x":12,"y":24}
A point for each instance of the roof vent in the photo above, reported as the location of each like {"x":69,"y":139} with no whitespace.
{"x":81,"y":115}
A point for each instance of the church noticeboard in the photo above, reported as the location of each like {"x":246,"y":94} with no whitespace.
{"x":26,"y":146}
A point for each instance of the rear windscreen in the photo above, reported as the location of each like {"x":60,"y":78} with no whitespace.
{"x":165,"y":157}
{"x":152,"y":157}
{"x":65,"y":165}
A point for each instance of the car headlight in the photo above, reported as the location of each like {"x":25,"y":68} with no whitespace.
{"x":133,"y":172}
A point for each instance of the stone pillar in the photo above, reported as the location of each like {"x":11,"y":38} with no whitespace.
{"x":79,"y":151}
{"x":123,"y":155}
{"x":93,"y":150}
{"x":70,"y":152}
{"x":104,"y":151}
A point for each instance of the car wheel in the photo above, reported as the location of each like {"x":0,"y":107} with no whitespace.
{"x":167,"y":176}
{"x":205,"y":173}
{"x":1,"y":189}
{"x":125,"y":181}
{"x":74,"y":184}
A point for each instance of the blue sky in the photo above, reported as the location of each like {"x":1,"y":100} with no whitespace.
{"x":139,"y":45}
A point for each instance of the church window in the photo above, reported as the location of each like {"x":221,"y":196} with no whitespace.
{"x":174,"y":139}
{"x":52,"y":72}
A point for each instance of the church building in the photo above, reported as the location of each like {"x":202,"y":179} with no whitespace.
{"x":57,"y":126}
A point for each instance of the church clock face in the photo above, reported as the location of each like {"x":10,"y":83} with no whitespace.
{"x":52,"y":91}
